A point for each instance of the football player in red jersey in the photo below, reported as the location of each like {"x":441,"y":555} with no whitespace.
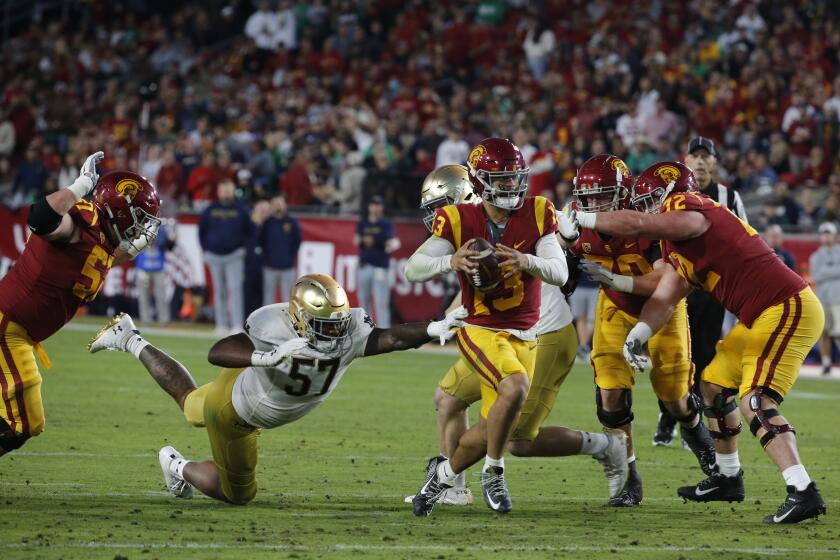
{"x":709,"y":248}
{"x":499,"y":340}
{"x":603,"y":184}
{"x":64,"y":264}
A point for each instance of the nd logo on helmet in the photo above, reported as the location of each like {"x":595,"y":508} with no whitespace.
{"x":128,"y":187}
{"x":476,"y":153}
{"x":668,"y":173}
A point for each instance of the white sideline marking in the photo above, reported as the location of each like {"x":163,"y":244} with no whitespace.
{"x":417,"y":547}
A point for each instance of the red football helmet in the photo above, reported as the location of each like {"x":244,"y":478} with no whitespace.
{"x":130,"y":206}
{"x":602,"y":184}
{"x":659,"y":180}
{"x":498,"y":173}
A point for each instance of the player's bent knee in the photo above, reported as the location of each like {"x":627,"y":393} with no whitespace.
{"x":521,"y":447}
{"x":718,"y":406}
{"x":447,"y":404}
{"x":10,"y":439}
{"x":619,"y":418}
{"x":762,"y":403}
{"x":515,"y":388}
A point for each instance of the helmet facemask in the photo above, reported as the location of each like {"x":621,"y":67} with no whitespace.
{"x":326,"y":334}
{"x":600,"y":198}
{"x":651,"y":202}
{"x":430,"y":209}
{"x":510,"y":197}
{"x":144,"y":225}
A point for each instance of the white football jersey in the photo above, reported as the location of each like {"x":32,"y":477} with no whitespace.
{"x":271,"y":397}
{"x":554,"y":311}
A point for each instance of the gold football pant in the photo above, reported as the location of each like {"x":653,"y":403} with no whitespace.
{"x":555,"y":358}
{"x":670,"y":351}
{"x":769,"y":353}
{"x":20,"y":380}
{"x":233,"y":442}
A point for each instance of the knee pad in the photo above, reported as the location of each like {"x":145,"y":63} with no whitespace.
{"x":762,"y":417}
{"x":10,"y":439}
{"x":619,"y":418}
{"x":694,"y":408}
{"x":718,"y":410}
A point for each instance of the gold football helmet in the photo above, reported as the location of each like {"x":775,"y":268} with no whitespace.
{"x":320,"y":311}
{"x":448,"y":184}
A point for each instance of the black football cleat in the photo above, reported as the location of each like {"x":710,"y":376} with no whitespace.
{"x":632,"y":494}
{"x":716,"y":488}
{"x":799,"y":506}
{"x":495,"y":491}
{"x":700,"y":441}
{"x":425,"y":499}
{"x":666,"y":428}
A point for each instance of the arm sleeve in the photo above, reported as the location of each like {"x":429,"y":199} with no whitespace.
{"x":549,"y":264}
{"x":432,"y":258}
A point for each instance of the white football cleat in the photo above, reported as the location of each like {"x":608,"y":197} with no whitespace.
{"x":455,"y":496}
{"x":115,"y":335}
{"x":176,"y":485}
{"x":614,"y":461}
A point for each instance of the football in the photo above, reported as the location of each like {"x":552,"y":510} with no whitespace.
{"x":488,"y":274}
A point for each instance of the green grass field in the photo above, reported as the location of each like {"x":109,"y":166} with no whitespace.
{"x":331,"y":485}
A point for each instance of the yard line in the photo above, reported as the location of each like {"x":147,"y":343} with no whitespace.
{"x":339,"y":547}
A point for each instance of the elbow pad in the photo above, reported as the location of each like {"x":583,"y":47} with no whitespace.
{"x":42,"y":219}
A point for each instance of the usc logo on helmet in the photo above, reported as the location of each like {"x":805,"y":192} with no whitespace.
{"x":476,"y":153}
{"x":128,"y":187}
{"x":668,"y":173}
{"x":621,"y":166}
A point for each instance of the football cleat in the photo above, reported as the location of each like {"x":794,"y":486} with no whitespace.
{"x":614,"y":461}
{"x":666,"y":429}
{"x":799,"y":506}
{"x":716,"y":488}
{"x":455,"y":496}
{"x":176,"y":485}
{"x":495,"y":491}
{"x":115,"y":335}
{"x":700,"y":441}
{"x":632,"y":493}
{"x":425,"y":499}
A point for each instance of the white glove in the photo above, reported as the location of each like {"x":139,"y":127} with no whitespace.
{"x":634,"y":346}
{"x":136,"y":246}
{"x":567,"y":225}
{"x":88,"y":177}
{"x":603,"y":276}
{"x":446,"y":327}
{"x":271,"y":358}
{"x":586,"y":220}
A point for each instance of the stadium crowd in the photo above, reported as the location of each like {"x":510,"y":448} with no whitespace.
{"x":332,"y":101}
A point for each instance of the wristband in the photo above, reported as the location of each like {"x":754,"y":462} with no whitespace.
{"x":641,"y":332}
{"x":81,"y":186}
{"x":586,"y":219}
{"x":623,"y":283}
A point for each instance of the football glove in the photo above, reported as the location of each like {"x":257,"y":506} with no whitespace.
{"x":567,"y":225}
{"x":446,"y":327}
{"x":273,"y":357}
{"x":604,"y":277}
{"x":88,"y":177}
{"x":634,"y":346}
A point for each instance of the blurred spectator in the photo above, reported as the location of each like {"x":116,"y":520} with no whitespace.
{"x":830,"y":210}
{"x":296,"y":184}
{"x":30,"y":178}
{"x":809,"y":216}
{"x":152,"y":282}
{"x":349,"y":196}
{"x":69,"y":170}
{"x":7,"y":135}
{"x":774,"y":236}
{"x":538,"y":46}
{"x":7,"y":179}
{"x":279,"y":239}
{"x":454,"y":149}
{"x":661,"y":125}
{"x":253,"y":284}
{"x":204,"y":179}
{"x":582,"y":303}
{"x":789,"y":209}
{"x":224,"y":230}
{"x":800,"y":125}
{"x":376,"y":239}
{"x":825,"y":273}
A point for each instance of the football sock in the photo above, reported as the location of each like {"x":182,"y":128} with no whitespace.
{"x":446,"y":474}
{"x":489,"y":462}
{"x":593,"y":443}
{"x":631,"y":463}
{"x":728,"y":463}
{"x":135,"y":344}
{"x":460,"y":480}
{"x":176,"y":467}
{"x":797,"y":476}
{"x":826,"y":361}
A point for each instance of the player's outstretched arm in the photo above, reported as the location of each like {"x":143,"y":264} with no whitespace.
{"x":640,"y":285}
{"x":673,"y":226}
{"x":48,"y":216}
{"x":660,"y":305}
{"x":237,"y":351}
{"x":413,"y":335}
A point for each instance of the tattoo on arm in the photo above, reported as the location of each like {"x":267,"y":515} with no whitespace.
{"x":399,"y":337}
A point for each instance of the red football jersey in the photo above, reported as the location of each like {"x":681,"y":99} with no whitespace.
{"x":50,"y":281}
{"x":623,"y":255}
{"x":730,"y":260}
{"x":515,"y":304}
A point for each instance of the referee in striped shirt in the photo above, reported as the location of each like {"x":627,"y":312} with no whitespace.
{"x":705,"y":314}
